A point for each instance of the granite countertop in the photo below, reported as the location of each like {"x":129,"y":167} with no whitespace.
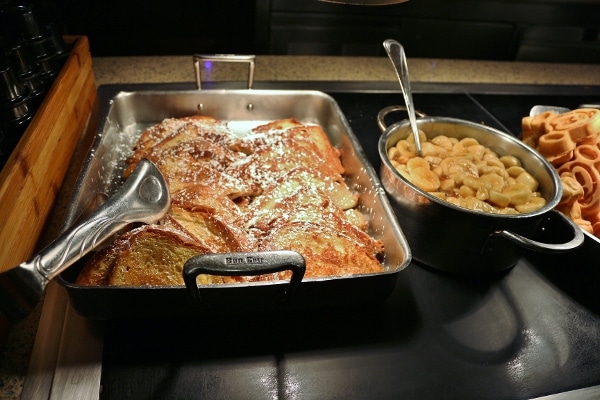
{"x":366,"y":69}
{"x":14,"y":358}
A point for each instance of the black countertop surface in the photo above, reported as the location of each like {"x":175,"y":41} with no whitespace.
{"x":530,"y":331}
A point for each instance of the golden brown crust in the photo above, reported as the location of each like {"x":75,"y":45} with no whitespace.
{"x":154,"y":256}
{"x":173,"y":131}
{"x":98,"y":269}
{"x":331,"y":186}
{"x":148,"y":255}
{"x":326,"y":251}
{"x":277,"y":126}
{"x":217,"y":232}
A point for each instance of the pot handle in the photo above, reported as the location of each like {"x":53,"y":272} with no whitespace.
{"x":576,"y":241}
{"x":390,"y":109}
{"x":244,"y":264}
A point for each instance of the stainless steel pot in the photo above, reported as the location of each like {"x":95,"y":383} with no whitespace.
{"x":448,"y":237}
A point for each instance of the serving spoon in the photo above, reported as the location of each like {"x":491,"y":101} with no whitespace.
{"x":144,"y":197}
{"x":396,"y":54}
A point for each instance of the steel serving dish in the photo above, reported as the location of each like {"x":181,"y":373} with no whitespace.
{"x":128,"y":114}
{"x":448,"y":237}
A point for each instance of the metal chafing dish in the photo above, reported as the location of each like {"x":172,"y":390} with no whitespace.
{"x":130,"y":113}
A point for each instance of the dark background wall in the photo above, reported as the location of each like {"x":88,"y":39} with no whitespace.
{"x":567,"y":30}
{"x":154,"y":27}
{"x":532,"y":30}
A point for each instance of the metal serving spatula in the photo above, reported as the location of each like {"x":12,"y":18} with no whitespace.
{"x":144,"y":197}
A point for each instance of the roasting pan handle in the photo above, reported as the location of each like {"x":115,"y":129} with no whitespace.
{"x":206,"y":58}
{"x":244,"y":264}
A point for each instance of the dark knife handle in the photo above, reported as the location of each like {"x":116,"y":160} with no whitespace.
{"x":244,"y":264}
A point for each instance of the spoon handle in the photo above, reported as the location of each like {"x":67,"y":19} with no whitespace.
{"x":144,"y":197}
{"x":396,"y":54}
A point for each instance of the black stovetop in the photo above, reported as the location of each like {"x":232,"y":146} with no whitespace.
{"x":527,"y":332}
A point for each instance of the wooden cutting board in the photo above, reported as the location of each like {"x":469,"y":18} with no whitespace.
{"x":33,"y":174}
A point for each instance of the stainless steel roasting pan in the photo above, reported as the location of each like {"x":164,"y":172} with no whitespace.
{"x":126,"y":114}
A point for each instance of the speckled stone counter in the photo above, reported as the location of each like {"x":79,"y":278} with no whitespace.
{"x":366,"y":69}
{"x":14,"y":358}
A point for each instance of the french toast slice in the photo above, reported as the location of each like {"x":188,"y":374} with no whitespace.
{"x":197,"y":149}
{"x":333,"y":187}
{"x":325,"y":217}
{"x":290,"y":200}
{"x":284,"y":205}
{"x":147,"y":255}
{"x":187,"y":160}
{"x":286,"y":138}
{"x":173,"y":131}
{"x":215,"y":231}
{"x":263,"y":134}
{"x":97,"y":270}
{"x":192,"y":172}
{"x":210,"y":200}
{"x":155,"y":256}
{"x":293,"y":203}
{"x":151,"y":137}
{"x":327,"y":253}
{"x":315,"y":134}
{"x":268,"y":163}
{"x":305,"y":193}
{"x":276,"y":126}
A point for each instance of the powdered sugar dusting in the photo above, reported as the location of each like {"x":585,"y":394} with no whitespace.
{"x":240,"y":182}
